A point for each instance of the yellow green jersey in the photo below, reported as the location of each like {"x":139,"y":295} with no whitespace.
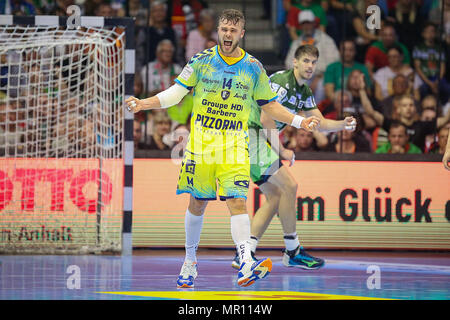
{"x":223,"y":95}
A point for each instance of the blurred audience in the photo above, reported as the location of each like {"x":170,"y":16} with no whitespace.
{"x":159,"y":75}
{"x":333,"y":74}
{"x":327,"y":49}
{"x":161,"y":128}
{"x":293,"y":17}
{"x":197,"y":39}
{"x":442,"y":139}
{"x":401,"y":107}
{"x":398,"y":141}
{"x":401,"y":85}
{"x":348,"y":142}
{"x":384,"y":76}
{"x":148,"y":38}
{"x":406,"y":18}
{"x":430,"y":61}
{"x":305,"y":141}
{"x":376,"y":55}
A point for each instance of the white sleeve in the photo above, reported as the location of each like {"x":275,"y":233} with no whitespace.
{"x":172,"y":95}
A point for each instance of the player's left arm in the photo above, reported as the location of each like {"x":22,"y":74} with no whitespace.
{"x":272,"y":135}
{"x":277,"y":112}
{"x":328,"y":125}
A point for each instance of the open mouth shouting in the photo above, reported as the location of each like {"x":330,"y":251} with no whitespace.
{"x":227,"y":44}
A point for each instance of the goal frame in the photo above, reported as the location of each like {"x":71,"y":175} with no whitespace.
{"x":128,"y":142}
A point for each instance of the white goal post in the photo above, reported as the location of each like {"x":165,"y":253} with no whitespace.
{"x":66,"y":140}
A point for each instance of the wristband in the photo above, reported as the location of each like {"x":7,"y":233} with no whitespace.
{"x":297,"y":121}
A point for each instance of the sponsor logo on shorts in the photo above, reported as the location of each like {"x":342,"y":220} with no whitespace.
{"x":242,"y":181}
{"x":190,"y":166}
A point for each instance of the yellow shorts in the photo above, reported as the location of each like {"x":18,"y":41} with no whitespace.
{"x":200,"y":175}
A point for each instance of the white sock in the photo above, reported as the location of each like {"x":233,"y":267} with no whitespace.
{"x":291,"y":241}
{"x":240,"y":232}
{"x":253,"y":243}
{"x":193,"y":228}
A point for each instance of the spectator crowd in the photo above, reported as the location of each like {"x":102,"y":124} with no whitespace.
{"x":394,"y":78}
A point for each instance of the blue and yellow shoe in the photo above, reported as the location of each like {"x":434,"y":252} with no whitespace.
{"x":236,"y":263}
{"x":187,"y":275}
{"x":250,"y":272}
{"x":300,"y":259}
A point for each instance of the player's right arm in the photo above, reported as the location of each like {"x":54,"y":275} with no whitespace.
{"x":171,"y":96}
{"x":164,"y":99}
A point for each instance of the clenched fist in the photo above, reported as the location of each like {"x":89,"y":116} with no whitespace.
{"x":310,"y":123}
{"x":134,"y":104}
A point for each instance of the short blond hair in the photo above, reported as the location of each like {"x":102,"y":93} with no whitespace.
{"x":232,"y":15}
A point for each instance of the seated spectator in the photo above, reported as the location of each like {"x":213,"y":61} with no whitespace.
{"x":139,"y":144}
{"x":341,"y":102}
{"x":407,"y":20}
{"x":429,"y":114}
{"x":105,"y":10}
{"x":401,"y":85}
{"x":287,"y":135}
{"x":136,"y":10}
{"x":384,"y":76}
{"x":161,"y":127}
{"x":295,"y":9}
{"x":398,"y":141}
{"x":348,"y":142}
{"x":376,"y":55}
{"x":429,"y":102}
{"x":197,"y":39}
{"x":332,"y":77}
{"x":338,"y":13}
{"x":17,"y":8}
{"x":328,"y":52}
{"x":305,"y":141}
{"x":159,"y":75}
{"x":148,"y":38}
{"x":355,"y":107}
{"x":426,"y":61}
{"x":363,"y":36}
{"x":442,"y":139}
{"x":138,"y":86}
{"x":417,"y":129}
{"x":184,"y":16}
{"x":12,"y":125}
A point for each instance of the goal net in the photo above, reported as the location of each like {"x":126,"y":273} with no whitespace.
{"x":61,"y":134}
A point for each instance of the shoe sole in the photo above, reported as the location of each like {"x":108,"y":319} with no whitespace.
{"x":302,"y":267}
{"x":248,"y":281}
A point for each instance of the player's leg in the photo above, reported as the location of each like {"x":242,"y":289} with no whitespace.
{"x":196,"y":179}
{"x":266,"y":212}
{"x":193,"y":223}
{"x":294,"y":255}
{"x":262,"y":218}
{"x":249,"y":270}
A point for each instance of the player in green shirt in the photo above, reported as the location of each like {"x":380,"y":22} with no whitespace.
{"x":266,"y":170}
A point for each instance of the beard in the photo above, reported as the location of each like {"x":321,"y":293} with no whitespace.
{"x":223,"y":48}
